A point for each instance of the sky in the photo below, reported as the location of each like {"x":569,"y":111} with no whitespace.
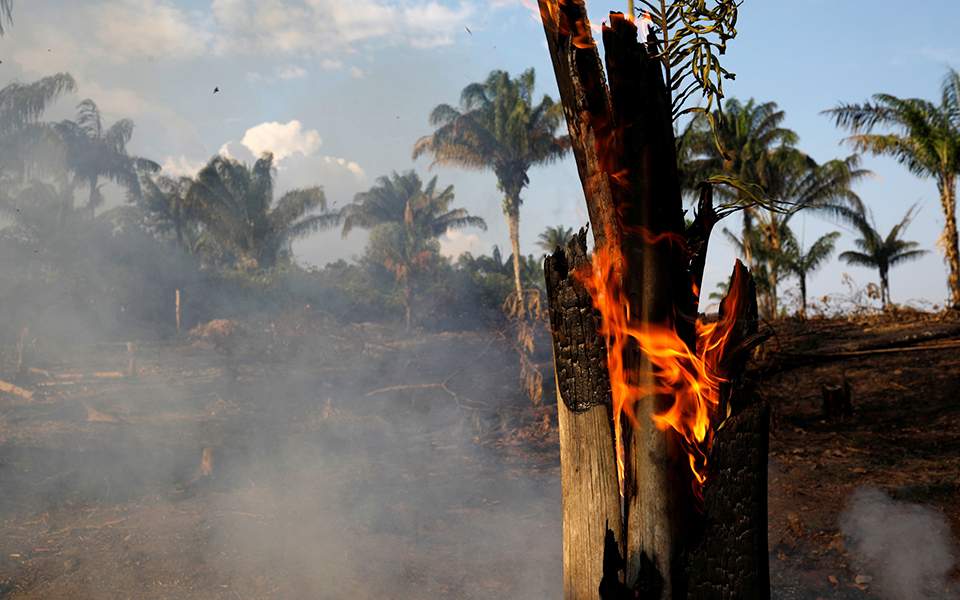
{"x":339,"y":91}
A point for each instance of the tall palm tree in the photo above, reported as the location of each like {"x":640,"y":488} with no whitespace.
{"x":802,"y":263}
{"x":21,"y":106}
{"x":750,"y":134}
{"x":165,"y":201}
{"x":882,"y":252}
{"x":23,"y":103}
{"x":766,"y":270}
{"x":499,"y":128}
{"x":406,"y":219}
{"x":234,"y":202}
{"x":796,"y":182}
{"x":923,"y":136}
{"x":553,"y":237}
{"x":95,"y":151}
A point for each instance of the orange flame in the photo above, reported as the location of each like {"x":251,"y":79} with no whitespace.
{"x":692,"y":377}
{"x":546,"y":13}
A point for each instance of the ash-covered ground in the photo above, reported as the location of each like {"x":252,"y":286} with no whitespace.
{"x":329,"y":461}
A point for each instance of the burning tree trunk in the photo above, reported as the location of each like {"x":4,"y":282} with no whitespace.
{"x":646,"y":498}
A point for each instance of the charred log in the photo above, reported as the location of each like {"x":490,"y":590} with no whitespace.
{"x":588,"y":471}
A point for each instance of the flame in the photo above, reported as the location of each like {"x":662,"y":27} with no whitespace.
{"x":692,"y":377}
{"x":546,"y":13}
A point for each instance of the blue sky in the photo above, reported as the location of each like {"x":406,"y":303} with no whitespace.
{"x":341,"y":90}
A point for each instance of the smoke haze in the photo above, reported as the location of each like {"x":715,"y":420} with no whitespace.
{"x":907,"y":548}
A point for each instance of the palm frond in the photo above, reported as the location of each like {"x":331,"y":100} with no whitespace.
{"x":21,"y":104}
{"x":295,"y":204}
{"x":6,"y":14}
{"x":858,"y":258}
{"x":907,"y":256}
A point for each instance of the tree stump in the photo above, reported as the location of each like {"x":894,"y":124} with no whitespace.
{"x":658,"y":539}
{"x":837,"y":401}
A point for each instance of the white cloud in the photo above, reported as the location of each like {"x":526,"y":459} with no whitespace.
{"x":346,"y":164}
{"x":283,"y":139}
{"x":230,"y":150}
{"x":357,"y":73}
{"x":128,"y":29}
{"x":434,"y":24}
{"x":110,"y":32}
{"x":455,"y":242}
{"x":294,"y":150}
{"x":180,"y":166}
{"x":323,"y":26}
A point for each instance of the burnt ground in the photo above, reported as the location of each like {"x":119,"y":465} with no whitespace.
{"x":903,"y":438}
{"x":364,"y":463}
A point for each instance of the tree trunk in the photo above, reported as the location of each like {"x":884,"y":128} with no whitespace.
{"x":407,"y":302}
{"x":623,"y":142}
{"x":178,"y":309}
{"x":513,"y":224}
{"x":885,"y":288}
{"x":178,"y":226}
{"x":747,"y":235}
{"x":91,"y":203}
{"x":948,"y":198}
{"x":588,"y":470}
{"x":803,"y":296}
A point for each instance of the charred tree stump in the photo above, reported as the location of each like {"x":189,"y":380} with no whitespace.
{"x":727,"y":563}
{"x":658,"y":539}
{"x":588,"y":475}
{"x":837,"y":401}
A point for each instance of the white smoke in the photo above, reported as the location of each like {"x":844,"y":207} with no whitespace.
{"x":907,"y":548}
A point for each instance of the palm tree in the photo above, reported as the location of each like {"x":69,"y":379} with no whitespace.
{"x":22,"y":103}
{"x":766,"y":269}
{"x":21,"y":106}
{"x":404,"y":199}
{"x":750,"y":134}
{"x":801,"y":264}
{"x":923,"y":136}
{"x":94,"y":151}
{"x":165,"y":202}
{"x":882,"y":252}
{"x":796,"y":182}
{"x":406,"y":219}
{"x":531,"y":269}
{"x":234,"y":203}
{"x":554,"y":237}
{"x":499,"y":128}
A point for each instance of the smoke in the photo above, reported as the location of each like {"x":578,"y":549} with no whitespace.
{"x":906,"y":548}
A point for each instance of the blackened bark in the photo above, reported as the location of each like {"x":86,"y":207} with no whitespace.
{"x":698,"y":238}
{"x":579,"y":353}
{"x":588,"y":472}
{"x":730,"y":559}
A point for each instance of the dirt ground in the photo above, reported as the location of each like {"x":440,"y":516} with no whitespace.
{"x":319,"y":461}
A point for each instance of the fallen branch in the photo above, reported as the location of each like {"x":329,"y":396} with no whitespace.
{"x":799,"y":359}
{"x":9,"y":388}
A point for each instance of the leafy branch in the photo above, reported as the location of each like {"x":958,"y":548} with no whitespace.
{"x":692,"y":36}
